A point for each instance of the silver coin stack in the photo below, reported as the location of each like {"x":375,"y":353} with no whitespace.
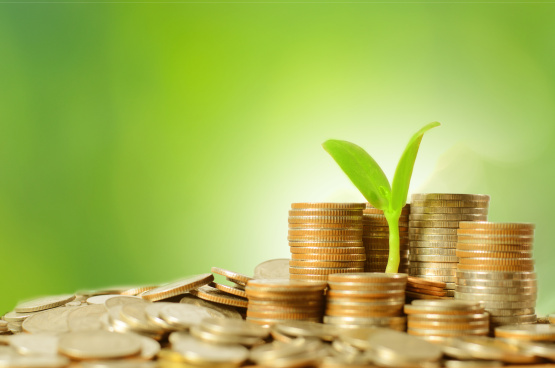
{"x":433,"y":224}
{"x":370,"y":299}
{"x":325,"y":238}
{"x":497,"y":269}
{"x":375,"y":238}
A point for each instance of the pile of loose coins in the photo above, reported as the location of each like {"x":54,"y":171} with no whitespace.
{"x":366,"y":299}
{"x":277,"y":300}
{"x":432,"y":319}
{"x":375,"y":238}
{"x":325,"y":238}
{"x":434,"y":220}
{"x":496,"y":268}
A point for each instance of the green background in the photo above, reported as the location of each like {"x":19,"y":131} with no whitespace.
{"x":140,"y":143}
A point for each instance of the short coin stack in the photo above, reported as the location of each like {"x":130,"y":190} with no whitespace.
{"x":446,"y":318}
{"x":496,"y":268}
{"x":325,"y":238}
{"x":418,"y":288}
{"x":375,"y":237}
{"x":368,"y":299}
{"x":433,"y":225}
{"x":276,"y":300}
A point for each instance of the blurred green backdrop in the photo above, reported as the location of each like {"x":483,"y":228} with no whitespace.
{"x":144,"y":142}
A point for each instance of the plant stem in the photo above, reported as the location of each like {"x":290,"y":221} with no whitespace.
{"x":393,"y":223}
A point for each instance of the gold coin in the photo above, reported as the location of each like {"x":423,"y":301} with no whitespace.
{"x":217,"y":296}
{"x":229,"y":289}
{"x":446,"y":217}
{"x":495,"y":297}
{"x":323,"y":270}
{"x":430,"y":244}
{"x":489,"y":267}
{"x":435,"y":278}
{"x":499,"y":225}
{"x":186,"y":315}
{"x":495,"y":239}
{"x":496,"y":290}
{"x":328,"y":257}
{"x":433,"y":238}
{"x":493,"y":254}
{"x":285,"y":285}
{"x":440,"y":325}
{"x":284,"y":316}
{"x":137,"y":290}
{"x":325,"y":227}
{"x":537,"y":332}
{"x":498,"y":283}
{"x":494,"y":232}
{"x":328,"y":250}
{"x":449,"y":210}
{"x":318,"y":218}
{"x":433,"y":251}
{"x":178,"y":287}
{"x":434,"y":224}
{"x":436,"y":264}
{"x":444,"y":307}
{"x":433,"y":258}
{"x":513,"y":319}
{"x":307,"y":277}
{"x":44,"y":303}
{"x":324,"y":233}
{"x":510,"y":312}
{"x":497,"y":261}
{"x":449,"y":203}
{"x":490,"y":305}
{"x":50,"y":321}
{"x":495,"y":247}
{"x":500,"y":275}
{"x":424,"y":282}
{"x":231,"y":274}
{"x":98,"y":345}
{"x":326,"y":264}
{"x":365,"y":294}
{"x":355,"y":243}
{"x":357,"y":286}
{"x":335,"y":206}
{"x":427,"y":291}
{"x":323,"y":239}
{"x":450,"y":318}
{"x":450,"y":197}
{"x":432,"y":271}
{"x":447,"y":333}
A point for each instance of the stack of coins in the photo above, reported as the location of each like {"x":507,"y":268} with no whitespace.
{"x":496,"y":268}
{"x":277,"y":300}
{"x":542,"y":333}
{"x":433,"y":225}
{"x":446,"y":318}
{"x":375,"y":238}
{"x":418,"y":288}
{"x":369,"y":299}
{"x":325,"y":238}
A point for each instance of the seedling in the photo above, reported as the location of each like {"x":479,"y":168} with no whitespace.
{"x":369,"y":178}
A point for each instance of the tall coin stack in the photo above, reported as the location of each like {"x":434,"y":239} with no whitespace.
{"x":433,"y":225}
{"x":434,"y":319}
{"x":375,"y":238}
{"x":366,"y":300}
{"x":496,"y":268}
{"x":325,"y":238}
{"x":278,"y":300}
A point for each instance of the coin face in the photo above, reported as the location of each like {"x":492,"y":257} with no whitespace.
{"x":44,"y":303}
{"x":52,"y":320}
{"x":273,"y":269}
{"x":84,"y":345}
{"x":186,"y":315}
{"x":86,"y":318}
{"x":35,"y":344}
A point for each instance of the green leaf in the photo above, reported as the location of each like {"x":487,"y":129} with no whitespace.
{"x":403,"y":173}
{"x":363,"y":170}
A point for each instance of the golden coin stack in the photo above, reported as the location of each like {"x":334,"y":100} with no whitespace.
{"x":366,"y":299}
{"x":277,"y":300}
{"x":433,"y":225}
{"x":418,"y":288}
{"x":375,"y":237}
{"x":446,"y":318}
{"x":496,"y":268}
{"x":325,"y":238}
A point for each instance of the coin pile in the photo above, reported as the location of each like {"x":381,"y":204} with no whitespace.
{"x":325,"y":238}
{"x":366,"y":299}
{"x":375,"y":237}
{"x":419,"y":288}
{"x":277,"y":300}
{"x":433,"y":225}
{"x":446,"y":318}
{"x":496,"y":268}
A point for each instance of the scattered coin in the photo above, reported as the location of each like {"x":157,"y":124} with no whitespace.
{"x":178,"y":287}
{"x":44,"y":303}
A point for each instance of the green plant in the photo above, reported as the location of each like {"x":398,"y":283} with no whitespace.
{"x":369,"y":178}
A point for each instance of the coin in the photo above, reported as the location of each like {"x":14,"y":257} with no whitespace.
{"x":138,"y":290}
{"x":335,"y":206}
{"x":510,"y":312}
{"x":443,"y":307}
{"x":35,"y":344}
{"x":51,"y":320}
{"x":495,"y":349}
{"x":86,"y":318}
{"x":494,"y":254}
{"x":229,"y":289}
{"x":449,"y":203}
{"x":98,"y":345}
{"x":433,"y":231}
{"x":432,"y":271}
{"x":321,"y":233}
{"x":329,"y":257}
{"x":447,"y":217}
{"x":152,"y":313}
{"x":430,"y":264}
{"x":500,"y":275}
{"x":513,"y":319}
{"x":434,"y":224}
{"x":178,"y":287}
{"x":494,"y":247}
{"x":448,"y":332}
{"x":435,"y":278}
{"x":351,"y":243}
{"x":323,"y":270}
{"x":433,"y":251}
{"x":13,"y":316}
{"x":498,"y":225}
{"x":44,"y":303}
{"x":430,"y":244}
{"x":135,"y":316}
{"x":217,"y":296}
{"x":489,"y":267}
{"x":478,"y":232}
{"x":537,"y":332}
{"x":433,"y":258}
{"x":186,"y":315}
{"x":448,"y":210}
{"x":325,"y":226}
{"x":433,"y":238}
{"x":496,"y":290}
